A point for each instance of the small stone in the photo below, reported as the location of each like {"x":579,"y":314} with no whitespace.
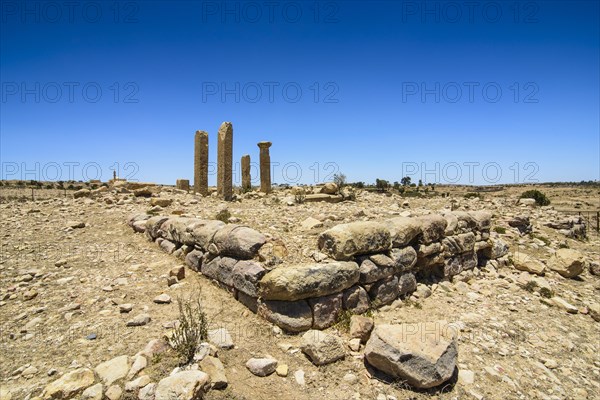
{"x":215,"y":369}
{"x":139,"y":320}
{"x":282,"y":370}
{"x":361,"y":327}
{"x":125,"y":308}
{"x":139,"y":363}
{"x":466,"y":377}
{"x":113,"y":393}
{"x":262,"y":366}
{"x":171,"y":280}
{"x":350,"y":378}
{"x":93,"y":392}
{"x":29,"y":372}
{"x":322,"y":348}
{"x":147,"y":392}
{"x":112,"y":370}
{"x":178,"y":272}
{"x":354,"y":344}
{"x":91,"y":336}
{"x":162,"y":299}
{"x":299,"y":376}
{"x":561,"y":303}
{"x":30,"y":294}
{"x":60,"y":262}
{"x":135,"y":385}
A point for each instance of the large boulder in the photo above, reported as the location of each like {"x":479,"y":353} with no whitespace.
{"x":292,"y":316}
{"x":326,"y":310}
{"x":185,"y":385}
{"x":153,"y":226}
{"x":497,"y":249}
{"x":403,"y":230}
{"x":175,"y":229}
{"x":356,"y":299}
{"x":371,"y":272}
{"x":219,"y":268}
{"x":203,"y":232}
{"x":308,"y":280}
{"x":525,"y":262}
{"x":344,"y":241}
{"x":69,"y":385}
{"x":433,"y":227}
{"x":329,"y":188}
{"x":384,"y":291}
{"x":424,"y":355}
{"x":322,"y":348}
{"x":239,"y":242}
{"x":460,"y":243}
{"x":483,"y":219}
{"x":567,"y":262}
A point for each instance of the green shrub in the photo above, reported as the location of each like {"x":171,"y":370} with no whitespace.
{"x":500,"y":229}
{"x":191,"y":330}
{"x":539,"y":197}
{"x":223,"y":215}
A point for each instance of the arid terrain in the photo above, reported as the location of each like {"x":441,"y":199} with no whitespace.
{"x":68,"y":266}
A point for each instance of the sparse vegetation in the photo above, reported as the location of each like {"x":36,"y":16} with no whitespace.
{"x":339,"y":180}
{"x":223,"y":215}
{"x":500,"y":229}
{"x":192,"y":328}
{"x":299,"y":198}
{"x":539,"y":197}
{"x":472,"y":195}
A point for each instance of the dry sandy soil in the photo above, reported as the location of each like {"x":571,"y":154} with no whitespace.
{"x":516,"y":345}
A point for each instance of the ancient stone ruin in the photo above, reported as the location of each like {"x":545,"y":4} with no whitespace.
{"x":225,"y":164}
{"x":365,"y":264}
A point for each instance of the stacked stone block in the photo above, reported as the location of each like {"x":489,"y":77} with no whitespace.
{"x":370,"y":263}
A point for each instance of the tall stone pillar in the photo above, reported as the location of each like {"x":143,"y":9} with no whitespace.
{"x":225,"y":161}
{"x":265,"y":167}
{"x":201,"y":163}
{"x":246,"y":179}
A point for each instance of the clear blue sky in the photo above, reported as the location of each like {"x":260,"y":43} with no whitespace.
{"x":473,"y":92}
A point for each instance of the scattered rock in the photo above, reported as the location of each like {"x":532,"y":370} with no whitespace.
{"x":567,"y":262}
{"x":186,"y":385}
{"x":162,"y":299}
{"x":404,"y":351}
{"x":361,"y":327}
{"x":262,"y":366}
{"x":282,"y":370}
{"x":215,"y":369}
{"x":113,"y":370}
{"x":322,"y":348}
{"x":220,"y":338}
{"x":525,"y":262}
{"x":69,"y":385}
{"x":139,"y":320}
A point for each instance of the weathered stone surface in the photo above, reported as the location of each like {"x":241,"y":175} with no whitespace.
{"x":498,"y":248}
{"x":201,"y":163}
{"x":483,"y":219}
{"x":261,"y":366}
{"x":329,"y":188}
{"x":344,"y":241}
{"x":525,"y":262}
{"x":356,"y":299}
{"x":407,"y":283}
{"x":403,"y":230}
{"x":136,"y":217}
{"x":308,"y":280}
{"x":432,"y":228}
{"x":153,"y":226}
{"x":182,"y":184}
{"x":225,"y":161}
{"x":246,"y":275}
{"x":361,"y":327}
{"x":93,"y":392}
{"x":186,"y":385}
{"x":246,"y":179}
{"x":310,"y":223}
{"x":139,"y":226}
{"x":250,"y":302}
{"x":327,"y":198}
{"x":112,"y":370}
{"x":404,"y":259}
{"x":265,"y":167}
{"x":460,"y":243}
{"x":69,"y":385}
{"x":417,"y":353}
{"x":384,"y":291}
{"x":161,"y":202}
{"x":459,"y":263}
{"x":219,"y":268}
{"x":82,"y":193}
{"x":240,"y":242}
{"x":521,"y":222}
{"x":204,"y":230}
{"x":175,"y":229}
{"x":193,"y":259}
{"x":322,"y":348}
{"x":425,"y":250}
{"x":326,"y":310}
{"x":167,"y":246}
{"x":371,"y":272}
{"x":214,"y":368}
{"x":567,"y":262}
{"x":292,"y":316}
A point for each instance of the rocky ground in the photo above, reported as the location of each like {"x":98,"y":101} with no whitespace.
{"x":73,"y":274}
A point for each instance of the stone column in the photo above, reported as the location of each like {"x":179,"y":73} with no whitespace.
{"x":225,"y":161}
{"x":201,"y":163}
{"x":246,"y":180}
{"x":265,"y":167}
{"x":183,"y":184}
